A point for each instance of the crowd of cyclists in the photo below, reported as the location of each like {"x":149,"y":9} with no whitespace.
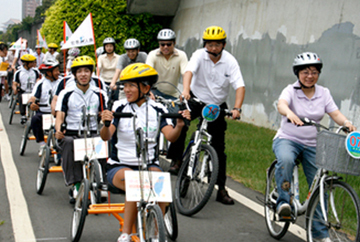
{"x":125,"y":83}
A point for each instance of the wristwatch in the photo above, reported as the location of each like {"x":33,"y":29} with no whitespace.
{"x":238,"y":109}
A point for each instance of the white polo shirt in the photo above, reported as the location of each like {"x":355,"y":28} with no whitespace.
{"x":26,"y":78}
{"x":211,"y":82}
{"x":123,"y":140}
{"x":169,"y":70}
{"x":41,"y":91}
{"x":69,"y":81}
{"x":71,"y":101}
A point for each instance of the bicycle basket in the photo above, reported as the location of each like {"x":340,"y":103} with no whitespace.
{"x":331,"y":154}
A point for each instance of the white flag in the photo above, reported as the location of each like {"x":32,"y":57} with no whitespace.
{"x":45,"y":44}
{"x":17,"y":44}
{"x":83,"y":35}
{"x":67,"y":32}
{"x":42,"y":42}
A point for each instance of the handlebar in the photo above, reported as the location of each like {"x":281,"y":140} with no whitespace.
{"x":310,"y":122}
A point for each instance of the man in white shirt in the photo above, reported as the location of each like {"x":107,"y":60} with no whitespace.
{"x":39,"y":55}
{"x":210,"y":73}
{"x":51,"y":54}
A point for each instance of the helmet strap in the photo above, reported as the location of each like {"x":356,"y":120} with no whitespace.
{"x":303,"y":86}
{"x":214,"y":54}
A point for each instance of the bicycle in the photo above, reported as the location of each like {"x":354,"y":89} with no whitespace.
{"x":327,"y":191}
{"x":150,"y":222}
{"x":199,"y":170}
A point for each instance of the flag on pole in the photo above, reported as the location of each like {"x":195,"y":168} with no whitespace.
{"x":45,"y":44}
{"x":17,"y":44}
{"x":83,"y":35}
{"x":67,"y":32}
{"x":41,"y":41}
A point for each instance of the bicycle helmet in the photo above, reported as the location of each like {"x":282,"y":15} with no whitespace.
{"x":48,"y":65}
{"x":74,"y":52}
{"x":99,"y":51}
{"x":131,"y":44}
{"x":28,"y":58}
{"x":305,"y":60}
{"x":53,"y":46}
{"x":166,"y":34}
{"x":38,"y":47}
{"x":214,"y":33}
{"x":82,"y":61}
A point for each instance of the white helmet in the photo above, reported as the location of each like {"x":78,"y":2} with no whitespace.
{"x":306,"y":59}
{"x":74,"y":52}
{"x":131,"y":44}
{"x":166,"y":34}
{"x":100,"y":51}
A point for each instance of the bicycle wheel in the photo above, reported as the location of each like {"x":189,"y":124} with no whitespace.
{"x":25,"y":137}
{"x":154,"y":224}
{"x":170,"y":221}
{"x":192,"y":193}
{"x":95,"y":182}
{"x":12,"y":111}
{"x":12,"y":96}
{"x":276,"y":228}
{"x":80,"y":211}
{"x":43,"y":170}
{"x":343,"y":213}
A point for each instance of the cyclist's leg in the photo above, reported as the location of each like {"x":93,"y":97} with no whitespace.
{"x":310,"y":169}
{"x":36,"y":126}
{"x":286,"y":151}
{"x":72,"y":170}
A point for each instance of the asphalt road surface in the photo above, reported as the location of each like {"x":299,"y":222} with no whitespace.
{"x":26,"y":216}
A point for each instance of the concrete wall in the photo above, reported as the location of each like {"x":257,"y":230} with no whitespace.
{"x":32,"y":35}
{"x":266,"y":35}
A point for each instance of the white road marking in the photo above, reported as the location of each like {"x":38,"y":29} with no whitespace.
{"x":20,"y":218}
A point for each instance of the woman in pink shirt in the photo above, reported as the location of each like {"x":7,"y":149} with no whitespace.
{"x":304,"y":98}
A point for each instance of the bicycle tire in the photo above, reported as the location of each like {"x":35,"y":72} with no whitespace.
{"x":95,"y":182}
{"x":25,"y":138}
{"x":170,"y":222}
{"x":80,"y":211}
{"x":191,"y":195}
{"x":347,"y":206}
{"x":154,"y":224}
{"x":276,"y":228}
{"x":43,"y":170}
{"x":11,"y":100}
{"x":12,"y":111}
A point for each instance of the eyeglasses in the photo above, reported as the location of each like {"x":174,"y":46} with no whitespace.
{"x":307,"y":73}
{"x":167,"y":44}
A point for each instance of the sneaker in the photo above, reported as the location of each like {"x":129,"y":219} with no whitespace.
{"x":284,"y":210}
{"x":7,"y":97}
{"x":124,"y":238}
{"x":23,"y":120}
{"x":327,"y":239}
{"x":41,"y":149}
{"x":72,"y":195}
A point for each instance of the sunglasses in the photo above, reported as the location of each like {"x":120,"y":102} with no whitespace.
{"x":167,"y":44}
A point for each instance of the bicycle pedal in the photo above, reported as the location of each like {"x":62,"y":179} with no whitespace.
{"x":286,"y":219}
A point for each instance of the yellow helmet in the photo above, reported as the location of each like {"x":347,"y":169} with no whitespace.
{"x":214,"y":33}
{"x":53,"y":46}
{"x":82,"y":61}
{"x":139,"y":72}
{"x":28,"y":58}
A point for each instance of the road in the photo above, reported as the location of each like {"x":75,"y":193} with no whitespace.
{"x":26,"y":216}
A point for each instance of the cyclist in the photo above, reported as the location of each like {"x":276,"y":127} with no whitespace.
{"x":39,"y":55}
{"x":24,"y":79}
{"x":69,"y":111}
{"x":208,"y":76}
{"x":51,"y":53}
{"x":137,"y":79}
{"x":73,"y":53}
{"x":6,"y":56}
{"x":304,"y":98}
{"x":132,"y":55}
{"x":170,"y":63}
{"x":42,"y":91}
{"x":107,"y":63}
{"x":19,"y":53}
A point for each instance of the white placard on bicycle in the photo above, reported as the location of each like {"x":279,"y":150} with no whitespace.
{"x":96,"y":148}
{"x":47,"y":120}
{"x":25,"y":97}
{"x":160,"y":181}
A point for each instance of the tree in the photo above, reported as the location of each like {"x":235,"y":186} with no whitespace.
{"x":110,"y":20}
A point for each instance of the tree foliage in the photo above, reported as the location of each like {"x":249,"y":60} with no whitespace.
{"x":110,"y":20}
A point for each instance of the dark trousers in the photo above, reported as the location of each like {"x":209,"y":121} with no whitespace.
{"x":22,"y":106}
{"x":36,"y":126}
{"x":216,"y":129}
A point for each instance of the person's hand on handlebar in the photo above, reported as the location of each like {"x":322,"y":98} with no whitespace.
{"x":34,"y":107}
{"x":106,"y":116}
{"x":235,"y":114}
{"x":186,"y":95}
{"x":350,"y":126}
{"x":294,"y":119}
{"x":186,"y":115}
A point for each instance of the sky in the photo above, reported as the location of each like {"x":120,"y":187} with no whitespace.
{"x":9,"y":9}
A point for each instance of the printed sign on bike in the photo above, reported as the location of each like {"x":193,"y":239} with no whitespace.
{"x":211,"y":112}
{"x":96,"y":148}
{"x":352,"y":144}
{"x":156,"y":186}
